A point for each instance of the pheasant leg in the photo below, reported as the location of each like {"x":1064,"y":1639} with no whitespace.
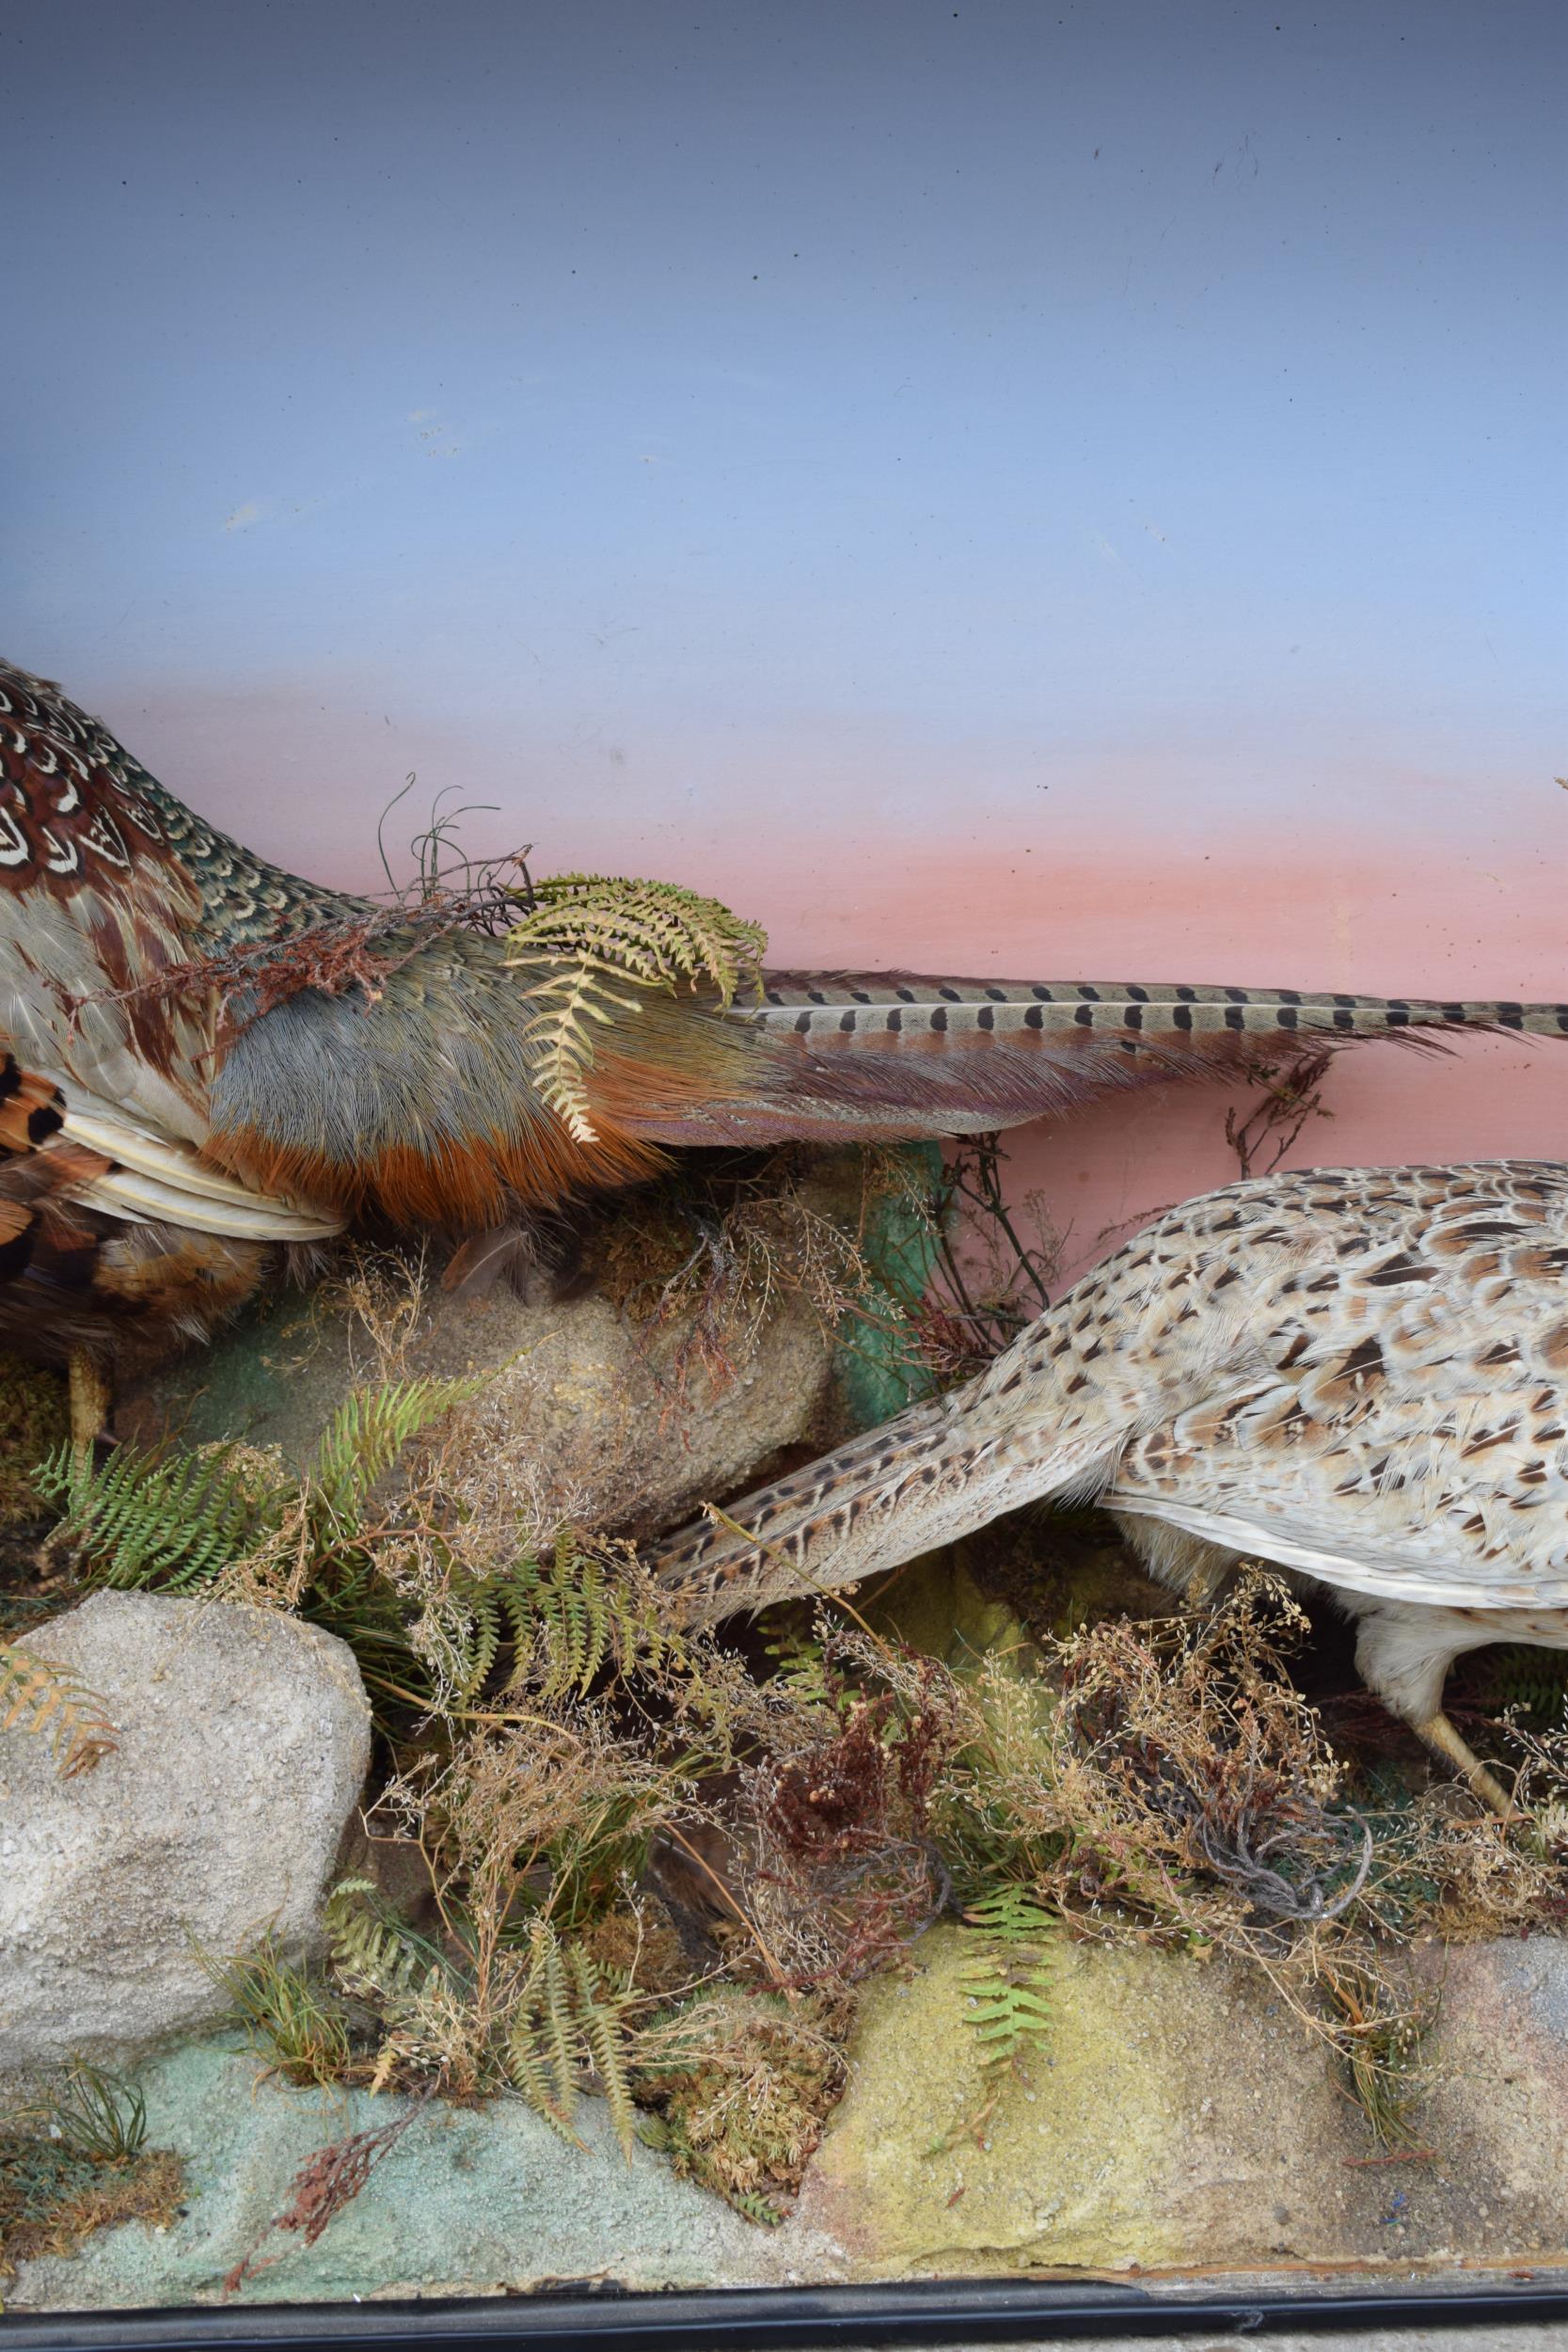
{"x":1442,"y":1738}
{"x":91,"y":1397}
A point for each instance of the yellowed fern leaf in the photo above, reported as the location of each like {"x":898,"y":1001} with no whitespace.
{"x":48,"y":1701}
{"x":568,"y":1001}
{"x":652,"y":931}
{"x":610,"y":935}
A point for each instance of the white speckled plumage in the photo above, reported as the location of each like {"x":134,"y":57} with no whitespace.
{"x":1360,"y":1374}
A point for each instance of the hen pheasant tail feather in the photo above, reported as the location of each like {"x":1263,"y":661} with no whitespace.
{"x":1358,"y":1373}
{"x":931,"y":1476}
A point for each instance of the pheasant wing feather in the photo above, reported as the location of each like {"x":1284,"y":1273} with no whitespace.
{"x":108,"y":884}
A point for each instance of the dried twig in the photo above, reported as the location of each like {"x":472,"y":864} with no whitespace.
{"x":1288,"y":1100}
{"x":319,"y":2191}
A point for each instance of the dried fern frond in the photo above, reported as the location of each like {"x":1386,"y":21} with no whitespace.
{"x":566,"y":1003}
{"x":50,"y":1702}
{"x":612,"y":937}
{"x":650,"y":931}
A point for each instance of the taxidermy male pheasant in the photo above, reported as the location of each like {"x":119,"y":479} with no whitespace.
{"x":209,"y":1057}
{"x":1361,"y":1374}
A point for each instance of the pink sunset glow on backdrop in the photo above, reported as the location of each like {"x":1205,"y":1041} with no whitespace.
{"x":1031,"y":495}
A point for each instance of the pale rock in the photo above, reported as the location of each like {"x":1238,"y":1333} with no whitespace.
{"x":241,"y":1741}
{"x":581,"y":1415}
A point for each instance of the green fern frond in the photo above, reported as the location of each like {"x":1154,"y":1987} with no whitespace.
{"x":370,"y":1430}
{"x":541,"y":2035}
{"x":487,"y":1606}
{"x":572,"y":1612}
{"x":550,"y":1995}
{"x":614,"y":936}
{"x":1009,"y":2008}
{"x":375,"y":1956}
{"x":1009,"y":1911}
{"x":1008,"y":1983}
{"x":167,"y":1523}
{"x":599,"y":2016}
{"x":802,"y":1670}
{"x":49,"y":1702}
{"x":753,"y":2206}
{"x":1532,"y":1681}
{"x":587,"y":1608}
{"x":566,"y":2021}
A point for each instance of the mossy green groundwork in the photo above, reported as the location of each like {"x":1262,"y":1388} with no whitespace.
{"x":1181,"y":2117}
{"x":878,"y":1367}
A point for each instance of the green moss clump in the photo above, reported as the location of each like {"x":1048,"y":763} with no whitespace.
{"x":34,"y":1419}
{"x":53,"y":2197}
{"x":744,"y":2094}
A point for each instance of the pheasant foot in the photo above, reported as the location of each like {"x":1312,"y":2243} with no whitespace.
{"x":1442,"y":1738}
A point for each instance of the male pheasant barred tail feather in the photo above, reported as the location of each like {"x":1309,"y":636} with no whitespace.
{"x":886,"y":1055}
{"x":140,"y":961}
{"x":1360,"y":1374}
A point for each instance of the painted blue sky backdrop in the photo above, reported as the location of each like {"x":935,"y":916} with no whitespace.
{"x":656,"y":415}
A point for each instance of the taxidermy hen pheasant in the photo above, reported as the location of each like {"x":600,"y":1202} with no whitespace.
{"x":209,"y":1057}
{"x":1360,"y":1374}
